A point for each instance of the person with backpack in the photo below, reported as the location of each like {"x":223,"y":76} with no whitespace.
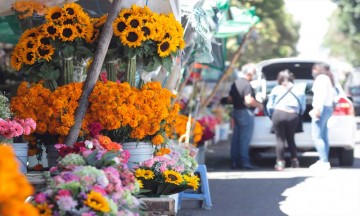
{"x":285,"y":105}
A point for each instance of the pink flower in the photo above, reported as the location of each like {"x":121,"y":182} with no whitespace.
{"x":86,"y":153}
{"x":95,"y":128}
{"x":59,"y":146}
{"x":163,"y":167}
{"x":103,"y":77}
{"x":53,"y":169}
{"x":64,"y":193}
{"x":125,"y":155}
{"x":99,"y":189}
{"x":88,"y":214}
{"x":179,"y":169}
{"x":111,"y":171}
{"x":149,"y":163}
{"x":40,"y":198}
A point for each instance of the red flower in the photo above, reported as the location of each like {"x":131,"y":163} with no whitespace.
{"x":65,"y":150}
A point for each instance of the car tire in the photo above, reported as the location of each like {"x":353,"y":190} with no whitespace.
{"x":346,"y":157}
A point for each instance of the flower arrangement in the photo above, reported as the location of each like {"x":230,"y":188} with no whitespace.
{"x":14,"y":128}
{"x":164,"y":176}
{"x":26,"y":9}
{"x":179,"y":129}
{"x":45,"y":52}
{"x":90,"y":180}
{"x":14,"y":187}
{"x":4,"y":107}
{"x":152,"y":37}
{"x":124,"y":113}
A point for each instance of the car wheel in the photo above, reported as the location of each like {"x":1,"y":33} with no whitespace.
{"x":346,"y":157}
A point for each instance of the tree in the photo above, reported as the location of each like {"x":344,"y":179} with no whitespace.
{"x":343,"y":36}
{"x":277,"y":33}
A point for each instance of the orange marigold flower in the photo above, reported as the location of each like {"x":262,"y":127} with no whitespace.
{"x":157,"y":140}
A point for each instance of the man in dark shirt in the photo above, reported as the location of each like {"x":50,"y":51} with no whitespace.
{"x":243,"y":98}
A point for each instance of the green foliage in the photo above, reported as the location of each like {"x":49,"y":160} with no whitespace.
{"x":343,"y":36}
{"x":276,"y":36}
{"x":4,"y":107}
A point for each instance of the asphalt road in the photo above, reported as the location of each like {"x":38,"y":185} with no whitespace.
{"x":264,"y":192}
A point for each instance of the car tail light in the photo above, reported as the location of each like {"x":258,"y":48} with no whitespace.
{"x":261,"y":113}
{"x":343,"y":107}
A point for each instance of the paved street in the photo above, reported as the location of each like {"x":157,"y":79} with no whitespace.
{"x":298,"y":192}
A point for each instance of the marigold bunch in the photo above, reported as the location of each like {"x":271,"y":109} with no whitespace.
{"x":14,"y":187}
{"x":26,"y":9}
{"x":179,"y":128}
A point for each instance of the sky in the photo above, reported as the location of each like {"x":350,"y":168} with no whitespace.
{"x":313,"y":16}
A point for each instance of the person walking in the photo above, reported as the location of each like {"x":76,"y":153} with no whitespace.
{"x":242,"y":97}
{"x":323,"y":99}
{"x":284,"y":106}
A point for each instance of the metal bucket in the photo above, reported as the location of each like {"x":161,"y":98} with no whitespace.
{"x":139,"y":152}
{"x":21,"y":152}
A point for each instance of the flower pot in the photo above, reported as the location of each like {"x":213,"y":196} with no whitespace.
{"x":139,"y":152}
{"x":21,"y":152}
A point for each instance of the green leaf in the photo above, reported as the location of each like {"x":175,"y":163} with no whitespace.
{"x":68,"y":50}
{"x":91,"y":159}
{"x":129,"y":52}
{"x":167,"y":63}
{"x":84,"y":50}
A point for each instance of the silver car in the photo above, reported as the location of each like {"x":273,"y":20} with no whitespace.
{"x":342,"y":125}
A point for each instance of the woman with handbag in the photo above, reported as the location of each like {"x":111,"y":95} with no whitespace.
{"x":286,"y":105}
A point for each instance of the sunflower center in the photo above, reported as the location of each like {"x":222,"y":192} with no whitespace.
{"x":172,"y":177}
{"x":30,"y":56}
{"x":51,"y":30}
{"x":43,"y":52}
{"x":56,"y":15}
{"x":68,"y":21}
{"x":121,"y":26}
{"x":32,"y":35}
{"x":70,"y":11}
{"x":42,"y":211}
{"x":67,"y":32}
{"x":127,"y":15}
{"x":132,"y":37}
{"x":134,"y":23}
{"x":45,"y":41}
{"x":167,"y":35}
{"x":30,"y":45}
{"x":164,"y":46}
{"x":146,"y":31}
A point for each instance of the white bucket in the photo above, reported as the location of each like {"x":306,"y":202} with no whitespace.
{"x":21,"y":152}
{"x":139,"y":152}
{"x":224,"y":131}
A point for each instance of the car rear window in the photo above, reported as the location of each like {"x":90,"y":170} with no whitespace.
{"x":301,"y":70}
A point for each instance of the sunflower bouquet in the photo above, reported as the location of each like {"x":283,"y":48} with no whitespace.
{"x":90,"y":180}
{"x":47,"y":51}
{"x":164,"y":176}
{"x":150,"y":37}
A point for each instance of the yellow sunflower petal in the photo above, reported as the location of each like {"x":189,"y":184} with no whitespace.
{"x":50,"y":30}
{"x":68,"y":33}
{"x":45,"y":52}
{"x":132,"y":37}
{"x":119,"y":25}
{"x":53,"y":14}
{"x":29,"y":57}
{"x":165,"y":48}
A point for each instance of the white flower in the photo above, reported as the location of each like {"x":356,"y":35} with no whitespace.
{"x":116,"y":160}
{"x":89,"y":144}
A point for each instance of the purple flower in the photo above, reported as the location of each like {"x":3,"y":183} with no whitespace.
{"x":66,"y":203}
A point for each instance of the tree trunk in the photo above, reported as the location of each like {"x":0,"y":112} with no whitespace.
{"x":93,"y":74}
{"x":228,"y":71}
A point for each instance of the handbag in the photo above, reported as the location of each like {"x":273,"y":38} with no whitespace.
{"x":299,"y":126}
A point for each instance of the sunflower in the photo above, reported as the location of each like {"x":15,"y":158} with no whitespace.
{"x":98,"y":22}
{"x":54,"y":14}
{"x":68,"y":21}
{"x":93,"y":36}
{"x":192,"y":181}
{"x":132,"y":37}
{"x":126,"y":13}
{"x":50,"y":30}
{"x":70,"y":10}
{"x":148,"y":174}
{"x":182,"y":44}
{"x":165,"y":48}
{"x":44,"y":209}
{"x":81,"y":30}
{"x":97,"y":202}
{"x":15,"y":61}
{"x":28,"y":57}
{"x":173,"y":177}
{"x":45,"y":52}
{"x":43,"y":40}
{"x":134,"y":21}
{"x":141,"y":185}
{"x":30,"y":43}
{"x":119,"y":25}
{"x":33,"y":32}
{"x":68,"y":33}
{"x":149,"y":31}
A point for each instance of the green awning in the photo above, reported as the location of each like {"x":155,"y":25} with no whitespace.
{"x":242,"y":21}
{"x":10,"y":30}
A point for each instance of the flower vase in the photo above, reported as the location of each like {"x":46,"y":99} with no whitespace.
{"x":67,"y":73}
{"x":52,"y":155}
{"x":21,"y":153}
{"x":139,"y":152}
{"x":130,"y":75}
{"x":111,"y":70}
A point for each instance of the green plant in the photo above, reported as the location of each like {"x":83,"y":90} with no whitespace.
{"x":4,"y":107}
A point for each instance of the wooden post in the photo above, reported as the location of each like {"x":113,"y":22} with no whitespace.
{"x":228,"y":71}
{"x":94,"y":72}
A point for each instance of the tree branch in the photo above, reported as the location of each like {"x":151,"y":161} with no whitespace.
{"x":93,"y":74}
